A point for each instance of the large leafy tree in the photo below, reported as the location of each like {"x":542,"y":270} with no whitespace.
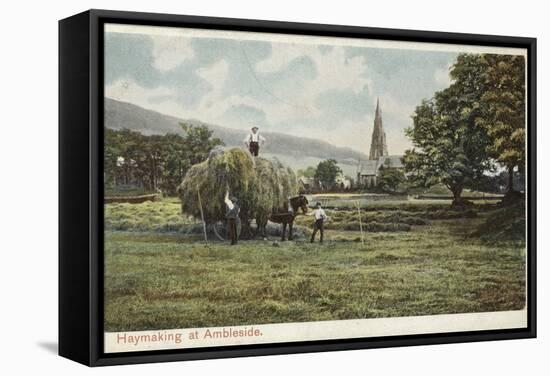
{"x":199,"y":142}
{"x":111,"y":153}
{"x":326,"y":172}
{"x":449,"y":147}
{"x":390,"y":179}
{"x":502,"y":104}
{"x":478,"y":120}
{"x":175,"y":162}
{"x":309,"y":172}
{"x":156,"y":161}
{"x":500,"y":82}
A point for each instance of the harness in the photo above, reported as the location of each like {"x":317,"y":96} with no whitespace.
{"x":290,"y":210}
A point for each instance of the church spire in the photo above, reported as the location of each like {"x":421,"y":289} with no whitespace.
{"x":378,"y":147}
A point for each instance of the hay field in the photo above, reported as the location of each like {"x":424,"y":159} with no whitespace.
{"x":159,"y":274}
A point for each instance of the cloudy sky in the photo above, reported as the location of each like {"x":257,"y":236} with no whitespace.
{"x":325,"y":89}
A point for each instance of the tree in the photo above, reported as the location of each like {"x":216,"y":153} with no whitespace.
{"x":111,"y":152}
{"x":155,"y":161}
{"x":484,"y":113}
{"x":503,"y":110}
{"x":501,"y":81}
{"x":174,"y":162}
{"x":326,"y":172}
{"x":389,"y":179}
{"x":449,"y":147}
{"x":129,"y":145}
{"x":308,"y":172}
{"x":199,"y":142}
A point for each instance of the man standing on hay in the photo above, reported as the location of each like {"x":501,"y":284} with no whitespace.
{"x":232,"y":216}
{"x":253,"y":141}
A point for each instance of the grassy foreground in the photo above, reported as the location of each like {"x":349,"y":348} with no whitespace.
{"x":166,"y":280}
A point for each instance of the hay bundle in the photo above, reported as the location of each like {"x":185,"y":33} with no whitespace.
{"x":231,"y":170}
{"x":266,"y":195}
{"x":262,"y":186}
{"x":286,"y":180}
{"x":195,"y":181}
{"x":272,"y":186}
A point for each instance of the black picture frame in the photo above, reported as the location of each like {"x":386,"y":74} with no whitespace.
{"x":81,"y":186}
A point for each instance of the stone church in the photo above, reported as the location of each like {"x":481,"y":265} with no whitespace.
{"x":369,"y":170}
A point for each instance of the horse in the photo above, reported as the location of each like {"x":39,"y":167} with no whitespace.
{"x":285,"y":216}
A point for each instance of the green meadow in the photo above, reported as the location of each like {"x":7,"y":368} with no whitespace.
{"x":411,"y":259}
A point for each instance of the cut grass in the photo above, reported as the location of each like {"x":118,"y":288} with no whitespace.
{"x":386,"y":221}
{"x":165,"y":216}
{"x":161,"y":216}
{"x":371,"y":202}
{"x":160,"y":281}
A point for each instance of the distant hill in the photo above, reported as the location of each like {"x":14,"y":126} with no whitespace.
{"x":298,"y":152}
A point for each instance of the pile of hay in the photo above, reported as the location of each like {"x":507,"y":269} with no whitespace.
{"x":272,"y":186}
{"x":261,"y":186}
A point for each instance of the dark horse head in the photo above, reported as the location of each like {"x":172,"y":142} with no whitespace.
{"x":299,"y":202}
{"x":286,"y":217}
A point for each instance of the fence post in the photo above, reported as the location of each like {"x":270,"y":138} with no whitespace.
{"x":202,"y":216}
{"x":360,"y":223}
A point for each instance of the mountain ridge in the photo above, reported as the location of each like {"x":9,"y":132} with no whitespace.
{"x":120,"y":114}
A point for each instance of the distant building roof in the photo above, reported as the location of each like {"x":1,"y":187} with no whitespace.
{"x":306,"y":180}
{"x":368,"y":167}
{"x":371,"y":167}
{"x":392,"y":161}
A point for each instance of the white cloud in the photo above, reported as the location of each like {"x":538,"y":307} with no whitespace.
{"x":127,"y":90}
{"x":334,"y":72}
{"x":169,"y":52}
{"x":210,"y":109}
{"x":281,"y":55}
{"x":354,"y":134}
{"x":215,"y":103}
{"x":396,"y":116}
{"x":291,"y":108}
{"x":216,"y":75}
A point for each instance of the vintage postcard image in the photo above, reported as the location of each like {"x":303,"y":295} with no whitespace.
{"x":269,"y":188}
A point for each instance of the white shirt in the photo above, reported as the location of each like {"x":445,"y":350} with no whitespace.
{"x":229,"y":203}
{"x":319,"y":214}
{"x":254,"y":137}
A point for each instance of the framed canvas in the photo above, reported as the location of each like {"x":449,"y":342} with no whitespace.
{"x":234,"y":187}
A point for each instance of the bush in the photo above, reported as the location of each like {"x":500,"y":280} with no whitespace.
{"x":504,"y":224}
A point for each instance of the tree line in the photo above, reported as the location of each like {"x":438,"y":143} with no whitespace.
{"x":469,"y":130}
{"x":325,"y":175}
{"x":154,"y":162}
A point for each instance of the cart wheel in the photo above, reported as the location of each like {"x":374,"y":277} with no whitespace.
{"x":221,"y":230}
